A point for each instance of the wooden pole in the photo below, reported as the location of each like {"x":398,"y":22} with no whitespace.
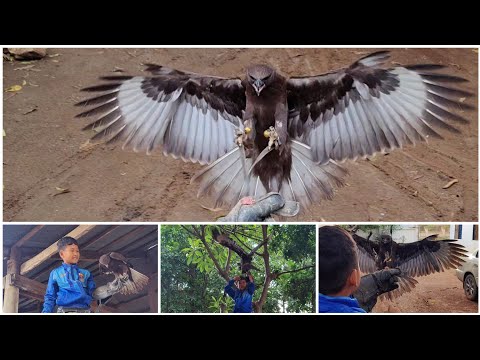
{"x":12,"y":293}
{"x":152,"y":293}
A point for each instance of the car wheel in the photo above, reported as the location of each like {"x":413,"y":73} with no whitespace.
{"x":470,"y":287}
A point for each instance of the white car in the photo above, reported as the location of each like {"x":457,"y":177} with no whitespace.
{"x":468,"y":274}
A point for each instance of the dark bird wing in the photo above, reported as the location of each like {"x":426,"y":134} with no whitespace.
{"x":364,"y":109}
{"x":128,"y":279}
{"x":427,"y":256}
{"x":120,"y":257}
{"x":405,"y":285}
{"x":134,"y":283}
{"x":367,"y":254}
{"x":190,"y":115}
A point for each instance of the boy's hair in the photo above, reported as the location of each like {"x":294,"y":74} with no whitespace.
{"x":65,"y":241}
{"x":245,"y":278}
{"x":337,"y":257}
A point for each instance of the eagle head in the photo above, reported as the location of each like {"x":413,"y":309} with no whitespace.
{"x":259,"y":77}
{"x":104,"y":263}
{"x":386,"y":239}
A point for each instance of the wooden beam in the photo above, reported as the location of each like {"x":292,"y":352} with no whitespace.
{"x":129,"y":235}
{"x":131,"y":247}
{"x":125,"y":306}
{"x":12,"y":293}
{"x":28,"y":236}
{"x":33,"y":288}
{"x":103,"y":308}
{"x":104,"y":234}
{"x":85,"y":255}
{"x":46,"y":254}
{"x":31,"y":296}
{"x":153,"y":293}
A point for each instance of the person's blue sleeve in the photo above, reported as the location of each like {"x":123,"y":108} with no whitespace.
{"x":90,"y":285}
{"x":50,"y":295}
{"x":229,"y":289}
{"x":251,"y":288}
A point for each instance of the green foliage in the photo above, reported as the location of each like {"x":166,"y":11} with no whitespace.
{"x":192,"y":283}
{"x":221,"y":304}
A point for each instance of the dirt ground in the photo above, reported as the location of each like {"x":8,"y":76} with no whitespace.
{"x":436,"y":293}
{"x":42,"y":147}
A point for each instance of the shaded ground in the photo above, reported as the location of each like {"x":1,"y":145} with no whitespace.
{"x":436,"y":293}
{"x":42,"y":148}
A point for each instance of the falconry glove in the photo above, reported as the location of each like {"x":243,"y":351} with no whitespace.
{"x":262,"y":208}
{"x":373,"y":285}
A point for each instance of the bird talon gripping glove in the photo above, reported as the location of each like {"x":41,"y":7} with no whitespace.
{"x":373,"y":285}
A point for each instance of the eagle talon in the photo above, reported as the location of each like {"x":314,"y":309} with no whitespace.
{"x":239,"y":137}
{"x":272,"y":136}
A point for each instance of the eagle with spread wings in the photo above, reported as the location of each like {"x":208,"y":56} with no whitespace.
{"x":420,"y":258}
{"x":269,"y":133}
{"x":127,"y":280}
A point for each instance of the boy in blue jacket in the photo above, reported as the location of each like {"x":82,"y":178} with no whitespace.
{"x":69,"y":287}
{"x":242,"y":293}
{"x":341,"y":286}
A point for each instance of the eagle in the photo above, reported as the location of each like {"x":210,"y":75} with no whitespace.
{"x":267,"y":132}
{"x":420,"y":258}
{"x":246,"y":259}
{"x":127,"y":280}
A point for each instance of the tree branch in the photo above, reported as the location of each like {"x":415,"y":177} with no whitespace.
{"x":268,"y":274}
{"x":254,"y":250}
{"x":277,"y":274}
{"x":201,"y":236}
{"x":227,"y":265}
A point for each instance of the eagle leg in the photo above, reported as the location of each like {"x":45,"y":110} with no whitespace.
{"x":273,"y":138}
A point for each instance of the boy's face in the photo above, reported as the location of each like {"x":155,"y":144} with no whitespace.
{"x":70,"y":255}
{"x":242,"y":284}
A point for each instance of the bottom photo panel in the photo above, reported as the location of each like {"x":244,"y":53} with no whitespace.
{"x":80,"y":268}
{"x":398,"y":268}
{"x":238,"y":269}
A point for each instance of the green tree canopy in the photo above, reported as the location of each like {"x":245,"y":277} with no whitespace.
{"x":195,"y":267}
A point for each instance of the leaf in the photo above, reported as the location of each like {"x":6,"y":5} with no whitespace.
{"x":53,"y":55}
{"x":24,"y":83}
{"x":450,"y":183}
{"x":87,"y":145}
{"x":14,"y":88}
{"x":30,"y":111}
{"x":212,"y":209}
{"x":28,"y":67}
{"x":61,"y":191}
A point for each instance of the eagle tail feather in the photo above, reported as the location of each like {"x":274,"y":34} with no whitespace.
{"x":134,"y":286}
{"x":405,"y":285}
{"x":308,"y":182}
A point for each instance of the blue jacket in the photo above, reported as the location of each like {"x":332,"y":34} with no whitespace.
{"x":69,"y":286}
{"x":243,"y":299}
{"x":338,"y":304}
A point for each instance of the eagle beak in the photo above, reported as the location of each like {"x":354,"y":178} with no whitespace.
{"x":258,"y":85}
